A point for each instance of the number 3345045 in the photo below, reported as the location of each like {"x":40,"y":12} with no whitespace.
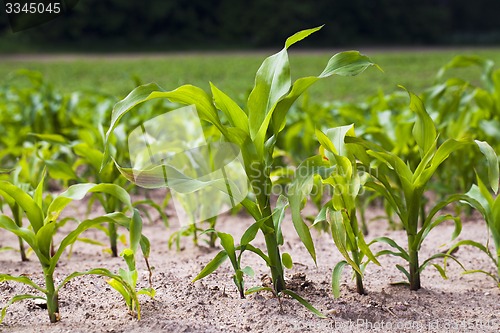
{"x":32,"y":8}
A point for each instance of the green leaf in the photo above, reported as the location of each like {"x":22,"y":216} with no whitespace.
{"x":298,"y":36}
{"x":135,"y":230}
{"x":442,"y":153}
{"x":236,"y":116}
{"x":492,"y":159}
{"x":248,"y":271}
{"x":336,"y":276}
{"x":117,"y":282}
{"x":227,"y":242}
{"x":26,"y":234}
{"x":212,"y":265}
{"x":15,"y":299}
{"x":116,"y":285}
{"x":79,"y":191}
{"x":404,"y":271}
{"x":438,"y":256}
{"x":4,"y":171}
{"x":90,"y":241}
{"x":22,"y":279}
{"x":325,"y":141}
{"x":461,"y":61}
{"x":287,"y":260}
{"x":119,"y":218}
{"x":272,"y":82}
{"x":33,"y":212}
{"x":250,"y":234}
{"x":299,"y":190}
{"x":38,"y":195}
{"x":278,"y":217}
{"x":348,"y":63}
{"x":424,"y":130}
{"x":187,"y":95}
{"x":44,"y":238}
{"x":337,"y":136}
{"x":92,"y":156}
{"x":343,"y":64}
{"x":366,"y":249}
{"x":60,"y":170}
{"x":144,"y":205}
{"x":428,"y":226}
{"x":303,"y":302}
{"x":257,"y":251}
{"x":258,"y":289}
{"x":52,"y":138}
{"x":336,"y":221}
{"x":441,"y":271}
{"x":392,"y":243}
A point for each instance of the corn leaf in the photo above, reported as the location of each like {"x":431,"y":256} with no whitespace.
{"x":336,"y":276}
{"x":22,"y":279}
{"x":236,"y":116}
{"x":305,"y":303}
{"x":335,"y":219}
{"x":33,"y":211}
{"x":79,"y":191}
{"x":424,"y":130}
{"x":212,"y":265}
{"x":492,"y":159}
{"x":15,"y":299}
{"x":287,"y":260}
{"x":85,"y":225}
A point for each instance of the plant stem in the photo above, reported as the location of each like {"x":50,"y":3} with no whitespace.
{"x":353,"y":220}
{"x":52,"y":298}
{"x":109,"y":204}
{"x":113,"y":239}
{"x":414,"y":269}
{"x":22,"y":250}
{"x":19,"y":221}
{"x":273,"y":252}
{"x":414,"y":211}
{"x":277,"y":274}
{"x":359,"y":278}
{"x":497,"y":248}
{"x":213,"y":236}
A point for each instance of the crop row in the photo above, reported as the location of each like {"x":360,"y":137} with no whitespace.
{"x":341,"y":157}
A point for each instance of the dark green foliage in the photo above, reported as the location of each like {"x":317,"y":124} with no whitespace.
{"x":157,"y":24}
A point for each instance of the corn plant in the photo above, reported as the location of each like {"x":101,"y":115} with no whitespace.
{"x":347,"y":185}
{"x":464,"y":108}
{"x":92,"y":158}
{"x":43,"y":224}
{"x":254,"y":131}
{"x":406,"y":198}
{"x":480,"y":198}
{"x":338,"y":171}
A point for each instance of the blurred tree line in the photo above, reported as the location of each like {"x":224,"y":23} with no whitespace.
{"x":219,"y":24}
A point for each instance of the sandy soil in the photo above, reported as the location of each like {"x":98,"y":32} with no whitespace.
{"x":464,"y":303}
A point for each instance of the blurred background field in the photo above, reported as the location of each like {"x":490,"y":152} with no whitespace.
{"x":233,"y":72}
{"x":111,"y":46}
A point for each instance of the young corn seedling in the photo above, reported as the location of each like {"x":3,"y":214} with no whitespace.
{"x":255,"y":132}
{"x":347,"y":184}
{"x":42,"y":228}
{"x":406,"y":198}
{"x":465,"y":108}
{"x":337,"y":170}
{"x":92,"y":158}
{"x":480,"y":198}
